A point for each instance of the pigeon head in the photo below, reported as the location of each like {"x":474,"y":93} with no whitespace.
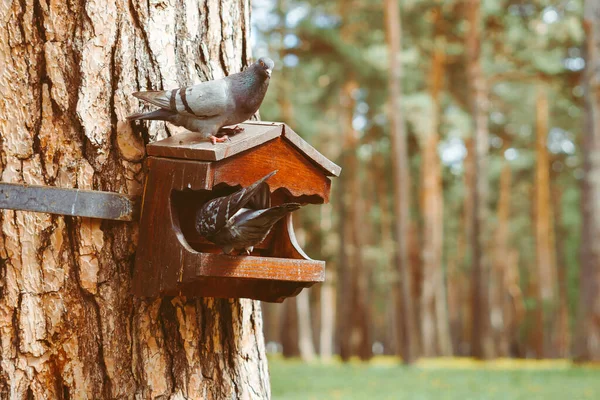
{"x":264,"y":66}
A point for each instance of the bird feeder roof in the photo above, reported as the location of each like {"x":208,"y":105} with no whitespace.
{"x":191,"y":146}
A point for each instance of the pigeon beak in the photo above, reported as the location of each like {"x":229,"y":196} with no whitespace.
{"x":268,"y":71}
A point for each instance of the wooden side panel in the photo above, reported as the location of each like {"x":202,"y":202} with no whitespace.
{"x":296,"y":174}
{"x":158,"y":245}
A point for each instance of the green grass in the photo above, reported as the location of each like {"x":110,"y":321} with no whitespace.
{"x":506,"y":380}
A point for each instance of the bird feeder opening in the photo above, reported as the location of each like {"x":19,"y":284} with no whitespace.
{"x":185,"y":204}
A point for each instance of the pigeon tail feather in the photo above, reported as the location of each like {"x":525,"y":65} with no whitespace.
{"x":264,"y":219}
{"x":159,"y":115}
{"x":160,"y":98}
{"x":248,"y":228}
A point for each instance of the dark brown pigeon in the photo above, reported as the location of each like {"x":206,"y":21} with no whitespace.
{"x":243,"y":219}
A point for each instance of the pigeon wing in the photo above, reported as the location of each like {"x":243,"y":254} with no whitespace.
{"x":250,"y":227}
{"x":261,"y":199}
{"x":204,"y":100}
{"x":215,"y":214}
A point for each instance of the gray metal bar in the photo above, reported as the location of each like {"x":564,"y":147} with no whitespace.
{"x":74,"y":202}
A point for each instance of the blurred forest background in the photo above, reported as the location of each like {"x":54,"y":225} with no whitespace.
{"x":464,"y":221}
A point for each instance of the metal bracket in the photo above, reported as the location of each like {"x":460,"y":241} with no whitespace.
{"x":73,"y":202}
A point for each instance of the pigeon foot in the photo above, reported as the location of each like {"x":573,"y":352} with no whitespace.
{"x":221,"y":139}
{"x":232,"y":131}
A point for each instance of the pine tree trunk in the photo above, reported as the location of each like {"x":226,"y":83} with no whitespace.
{"x":272,"y":314}
{"x":545,"y":275}
{"x":588,"y":330}
{"x":305,"y":338}
{"x":389,"y":329}
{"x":328,"y":313}
{"x":401,"y":176}
{"x":481,"y":340}
{"x":514,"y":307}
{"x":306,"y":343}
{"x":357,"y":305}
{"x":562,"y":332}
{"x":459,"y":297}
{"x":430,"y":250}
{"x":345,"y":295}
{"x":499,"y":295}
{"x":434,"y":315}
{"x":69,"y":326}
{"x":289,"y":328}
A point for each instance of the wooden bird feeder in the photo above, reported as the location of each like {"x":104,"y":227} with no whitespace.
{"x":184,"y":172}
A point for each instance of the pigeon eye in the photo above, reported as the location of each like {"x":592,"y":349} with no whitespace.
{"x":262,"y":64}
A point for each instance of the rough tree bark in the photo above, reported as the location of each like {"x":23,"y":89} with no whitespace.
{"x":481,"y":340}
{"x":588,"y":330}
{"x":401,"y":179}
{"x":69,"y":327}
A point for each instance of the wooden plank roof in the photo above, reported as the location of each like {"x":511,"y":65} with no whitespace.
{"x":191,"y":146}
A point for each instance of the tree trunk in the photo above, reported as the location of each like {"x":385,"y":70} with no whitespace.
{"x":345,"y":296}
{"x":588,"y":330}
{"x":434,"y":315}
{"x":499,"y":293}
{"x":305,"y":338}
{"x":353,"y":296}
{"x":378,"y":169}
{"x":306,"y":343}
{"x":545,"y":275}
{"x":328,"y":304}
{"x":272,"y":316}
{"x":431,"y":252}
{"x":401,"y":179}
{"x":481,"y":340}
{"x":416,"y":280}
{"x":289,"y":329}
{"x":514,"y":308}
{"x":69,"y":326}
{"x":327,"y":322}
{"x":562,"y":336}
{"x":458,"y":283}
{"x":358,"y":312}
{"x":544,"y":250}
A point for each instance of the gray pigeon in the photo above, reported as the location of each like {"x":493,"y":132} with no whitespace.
{"x":209,"y":106}
{"x":242,"y":219}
